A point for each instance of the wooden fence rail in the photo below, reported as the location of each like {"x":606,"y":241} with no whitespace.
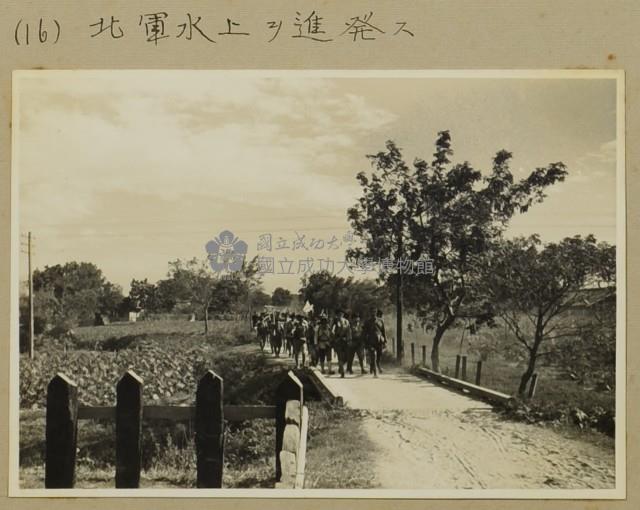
{"x":209,"y":415}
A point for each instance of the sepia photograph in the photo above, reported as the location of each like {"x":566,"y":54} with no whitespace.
{"x":318,"y":284}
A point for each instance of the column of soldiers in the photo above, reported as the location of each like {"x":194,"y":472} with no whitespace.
{"x":315,"y":339}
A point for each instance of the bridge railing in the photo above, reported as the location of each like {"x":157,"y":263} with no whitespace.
{"x":460,"y":379}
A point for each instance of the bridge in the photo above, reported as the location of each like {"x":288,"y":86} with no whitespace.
{"x":435,"y":433}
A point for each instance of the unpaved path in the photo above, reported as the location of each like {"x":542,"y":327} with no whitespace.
{"x":429,"y":437}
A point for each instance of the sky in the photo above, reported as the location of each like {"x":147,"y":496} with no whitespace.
{"x":133,"y":169}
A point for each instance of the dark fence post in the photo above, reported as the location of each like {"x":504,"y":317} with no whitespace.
{"x":61,"y":433}
{"x":533,"y":385}
{"x":478,"y":372}
{"x":424,"y":355}
{"x":128,"y":431}
{"x":413,"y":354}
{"x":464,"y":368}
{"x":289,"y":389}
{"x":209,"y":431}
{"x":457,"y":366}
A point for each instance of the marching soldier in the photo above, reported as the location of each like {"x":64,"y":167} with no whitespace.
{"x":374,"y":339}
{"x":311,"y":342}
{"x":341,"y":340}
{"x":263,"y":332}
{"x":323,"y":341}
{"x":288,"y":333}
{"x":381,"y":335}
{"x":277,"y":335}
{"x":356,"y":346}
{"x":299,"y":338}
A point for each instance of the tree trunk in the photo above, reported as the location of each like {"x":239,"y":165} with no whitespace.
{"x":206,"y":319}
{"x":526,"y":377}
{"x":531,"y":365}
{"x":435,"y":349}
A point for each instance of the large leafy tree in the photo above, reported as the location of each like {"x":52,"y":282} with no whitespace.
{"x":79,"y":290}
{"x":143,"y":294}
{"x":446,"y":213}
{"x":324,"y":290}
{"x":281,"y":297}
{"x":328,"y":292}
{"x":534,"y":288}
{"x":259,"y":299}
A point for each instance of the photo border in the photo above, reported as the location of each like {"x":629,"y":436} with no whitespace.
{"x":619,"y":492}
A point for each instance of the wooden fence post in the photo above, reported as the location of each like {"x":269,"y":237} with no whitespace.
{"x":289,"y":389}
{"x":301,"y":458}
{"x":533,"y":385}
{"x":413,"y":354}
{"x":464,"y":368}
{"x":61,"y":433}
{"x":424,"y":355}
{"x":128,"y":431}
{"x":290,"y":445}
{"x":209,"y":425}
{"x":457,"y":366}
{"x":478,"y":372}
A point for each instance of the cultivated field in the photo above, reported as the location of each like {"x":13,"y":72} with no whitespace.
{"x":170,"y":356}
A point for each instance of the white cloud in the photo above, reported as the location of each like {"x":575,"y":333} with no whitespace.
{"x":272,"y":142}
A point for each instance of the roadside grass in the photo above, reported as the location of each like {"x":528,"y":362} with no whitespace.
{"x":339,"y":454}
{"x":166,"y":462}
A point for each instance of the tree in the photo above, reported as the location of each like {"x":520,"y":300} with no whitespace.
{"x":590,"y":355}
{"x":80,"y":291}
{"x":326,"y":291}
{"x":533,"y":288}
{"x":167,"y":294}
{"x":143,"y":294}
{"x":260,"y":299}
{"x":208,"y":291}
{"x":446,"y":214}
{"x":381,"y":218}
{"x":195,"y":279}
{"x":281,"y":297}
{"x":110,"y":299}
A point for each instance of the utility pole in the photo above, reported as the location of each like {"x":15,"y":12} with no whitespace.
{"x":31,"y":351}
{"x":399,"y":300}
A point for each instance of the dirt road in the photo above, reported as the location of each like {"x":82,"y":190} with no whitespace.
{"x":428,"y":437}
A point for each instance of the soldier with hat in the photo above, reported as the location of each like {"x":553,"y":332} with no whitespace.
{"x":375,"y":340}
{"x":341,"y":339}
{"x":323,"y":341}
{"x":299,"y":338}
{"x":356,"y":346}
